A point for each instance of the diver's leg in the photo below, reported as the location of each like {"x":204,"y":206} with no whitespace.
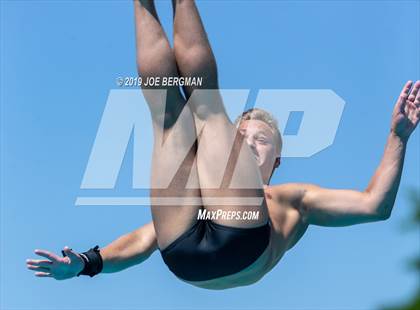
{"x":173,"y":128}
{"x":193,"y":53}
{"x":222,"y":159}
{"x":225,"y":162}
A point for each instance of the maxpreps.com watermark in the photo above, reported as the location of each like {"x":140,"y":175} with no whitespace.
{"x":204,"y":214}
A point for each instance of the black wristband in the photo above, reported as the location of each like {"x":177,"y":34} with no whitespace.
{"x":93,"y":262}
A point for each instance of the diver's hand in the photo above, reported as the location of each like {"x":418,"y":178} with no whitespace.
{"x":406,"y":114}
{"x":59,"y":268}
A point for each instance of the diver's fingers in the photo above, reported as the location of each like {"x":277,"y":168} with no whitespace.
{"x":406,"y":88}
{"x":400,"y":106}
{"x":417,"y":99}
{"x":43,"y":274}
{"x":37,"y":268}
{"x":39,"y":262}
{"x":414,"y":91}
{"x":48,"y":255}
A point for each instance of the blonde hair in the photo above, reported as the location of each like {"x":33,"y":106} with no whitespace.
{"x":266,"y":117}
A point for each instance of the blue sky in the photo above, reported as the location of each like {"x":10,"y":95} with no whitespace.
{"x":60,"y":59}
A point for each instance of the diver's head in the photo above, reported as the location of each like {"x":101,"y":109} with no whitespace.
{"x":263,"y":137}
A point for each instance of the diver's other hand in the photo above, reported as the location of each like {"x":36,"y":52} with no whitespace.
{"x":59,"y":268}
{"x":406,"y":114}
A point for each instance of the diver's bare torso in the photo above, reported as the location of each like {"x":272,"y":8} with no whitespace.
{"x":287,"y":227}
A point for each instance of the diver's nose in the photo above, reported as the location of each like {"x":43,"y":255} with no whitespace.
{"x":250,"y":141}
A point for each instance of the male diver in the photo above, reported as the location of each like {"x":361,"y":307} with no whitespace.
{"x":224,"y":252}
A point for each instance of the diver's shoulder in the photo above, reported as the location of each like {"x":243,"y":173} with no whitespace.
{"x":286,"y":193}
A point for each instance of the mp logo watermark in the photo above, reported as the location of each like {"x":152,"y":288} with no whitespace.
{"x":126,"y":118}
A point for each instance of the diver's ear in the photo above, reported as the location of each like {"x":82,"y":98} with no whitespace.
{"x":277,"y":162}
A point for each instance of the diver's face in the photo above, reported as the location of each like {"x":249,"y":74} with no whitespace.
{"x":261,"y":140}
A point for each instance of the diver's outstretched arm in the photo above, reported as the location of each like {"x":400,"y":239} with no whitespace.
{"x":126,"y":251}
{"x":130,"y":249}
{"x":331,"y":207}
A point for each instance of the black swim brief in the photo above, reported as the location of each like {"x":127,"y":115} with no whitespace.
{"x":208,"y":250}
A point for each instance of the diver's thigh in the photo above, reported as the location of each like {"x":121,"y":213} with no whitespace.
{"x":175,"y":191}
{"x":230,"y":180}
